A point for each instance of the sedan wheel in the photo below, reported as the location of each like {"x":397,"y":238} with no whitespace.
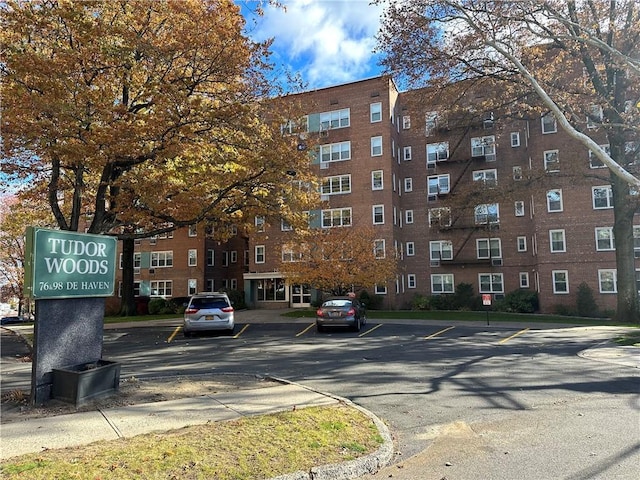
{"x":356,"y":325}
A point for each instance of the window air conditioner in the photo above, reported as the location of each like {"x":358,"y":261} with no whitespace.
{"x":152,"y":270}
{"x":434,"y":263}
{"x":324,"y":165}
{"x":496,"y":262}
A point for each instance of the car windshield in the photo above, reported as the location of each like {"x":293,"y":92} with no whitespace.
{"x":208,"y":303}
{"x":337,"y":303}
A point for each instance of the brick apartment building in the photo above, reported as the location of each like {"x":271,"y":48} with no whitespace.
{"x":390,"y":160}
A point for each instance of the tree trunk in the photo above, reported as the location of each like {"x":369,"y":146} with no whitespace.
{"x":128,"y":303}
{"x":628,"y":307}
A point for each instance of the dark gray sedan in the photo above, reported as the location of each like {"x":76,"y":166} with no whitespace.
{"x":341,"y":312}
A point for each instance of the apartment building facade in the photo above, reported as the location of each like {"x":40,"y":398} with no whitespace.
{"x":476,"y":199}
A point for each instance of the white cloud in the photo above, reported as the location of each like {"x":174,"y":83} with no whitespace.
{"x":327,"y":41}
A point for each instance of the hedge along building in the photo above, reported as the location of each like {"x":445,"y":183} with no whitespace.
{"x":463,"y":195}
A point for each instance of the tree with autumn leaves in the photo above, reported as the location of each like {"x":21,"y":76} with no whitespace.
{"x":136,"y":117}
{"x":575,"y":60}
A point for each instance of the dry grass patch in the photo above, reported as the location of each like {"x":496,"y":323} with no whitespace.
{"x":246,"y":449}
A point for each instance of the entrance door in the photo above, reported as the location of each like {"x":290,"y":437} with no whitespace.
{"x":300,"y":296}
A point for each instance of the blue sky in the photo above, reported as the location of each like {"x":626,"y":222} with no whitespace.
{"x":326,"y":42}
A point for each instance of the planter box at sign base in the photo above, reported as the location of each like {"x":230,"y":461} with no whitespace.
{"x":87,"y":381}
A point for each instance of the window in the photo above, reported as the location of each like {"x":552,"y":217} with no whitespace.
{"x":153,"y":240}
{"x":406,"y":153}
{"x":210,"y":285}
{"x":335,"y":119}
{"x":519,"y":208}
{"x":285,"y":226}
{"x":608,"y":281}
{"x":379,"y":248}
{"x":377,"y":182}
{"x":192,"y":286}
{"x":336,"y":217}
{"x":408,"y":216}
{"x":137,"y":262}
{"x":549,"y":124}
{"x":430,"y":123}
{"x":259,"y":253}
{"x":375,"y":112}
{"x":293,"y":252}
{"x":211,"y":257}
{"x":441,"y":250}
{"x":336,"y":185}
{"x":408,"y":184}
{"x":378,"y":214}
{"x":438,"y":184}
{"x":437,"y":152}
{"x":441,"y":283}
{"x":225,"y":258}
{"x":488,"y":248}
{"x":234,"y":256}
{"x":557,"y":241}
{"x":161,"y":259}
{"x":604,"y":239}
{"x":515,"y":139}
{"x":376,"y":146}
{"x":521,"y":243}
{"x":524,"y":279}
{"x":380,"y":290}
{"x":259,"y":222}
{"x":193,"y":257}
{"x":560,"y":281}
{"x":554,"y":201}
{"x":551,"y":162}
{"x":636,"y":241}
{"x":234,"y":284}
{"x":411,"y":249}
{"x":488,"y":177}
{"x":484,"y":147}
{"x":594,"y":161}
{"x":440,"y":216}
{"x":335,"y":152}
{"x":161,"y":288}
{"x":411,"y":280}
{"x":594,"y":116}
{"x":517,"y":173}
{"x":487,"y":214}
{"x":491,"y":282}
{"x":270,"y":289}
{"x":602,"y":197}
{"x":406,"y":122}
{"x":193,"y":231}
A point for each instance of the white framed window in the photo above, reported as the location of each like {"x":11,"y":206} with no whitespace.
{"x":259,"y":223}
{"x":442,"y":283}
{"x":604,"y":239}
{"x":285,"y":226}
{"x":554,"y":201}
{"x":234,"y":284}
{"x":137,"y":263}
{"x":636,"y":241}
{"x":192,"y":286}
{"x":488,"y":248}
{"x":225,"y":258}
{"x":484,"y":147}
{"x":602,"y":197}
{"x":379,"y":248}
{"x":406,"y":153}
{"x":336,"y":217}
{"x":408,"y":217}
{"x":336,"y":185}
{"x":335,"y":119}
{"x":521,"y":243}
{"x":437,"y":152}
{"x":560,"y":280}
{"x":375,"y":112}
{"x":378,"y":214}
{"x":440,"y":250}
{"x":430,"y":123}
{"x":162,"y":259}
{"x":438,"y":184}
{"x":557,"y":243}
{"x":411,"y":280}
{"x":408,"y":184}
{"x":335,"y":152}
{"x":594,"y":161}
{"x":153,"y":240}
{"x":488,"y":213}
{"x":161,"y":288}
{"x":524,"y":279}
{"x":193,"y":231}
{"x":488,"y":177}
{"x":380,"y":290}
{"x":377,"y":180}
{"x":259,"y":252}
{"x":376,"y":146}
{"x":234,"y":256}
{"x":517,"y":173}
{"x":549,"y":123}
{"x":551,"y":161}
{"x":406,"y":122}
{"x":440,"y":216}
{"x":515,"y":139}
{"x":608,"y":280}
{"x":211,"y":257}
{"x":210,"y":285}
{"x":293,"y":253}
{"x":192,"y":257}
{"x":410,"y":249}
{"x":519,"y":208}
{"x":491,"y":282}
{"x":594,"y":116}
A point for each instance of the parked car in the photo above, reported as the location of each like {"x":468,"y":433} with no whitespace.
{"x":12,"y":320}
{"x":208,"y":312}
{"x":341,"y":311}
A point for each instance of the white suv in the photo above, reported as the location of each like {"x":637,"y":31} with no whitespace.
{"x":207,"y":312}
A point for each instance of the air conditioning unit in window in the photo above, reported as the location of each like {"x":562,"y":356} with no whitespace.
{"x":431,"y":167}
{"x":152,"y":271}
{"x":490,"y":157}
{"x":324,"y":165}
{"x":136,"y":270}
{"x":324,"y":198}
{"x":434,"y":263}
{"x":432,"y":198}
{"x":636,"y":254}
{"x":496,"y":262}
{"x":488,"y":122}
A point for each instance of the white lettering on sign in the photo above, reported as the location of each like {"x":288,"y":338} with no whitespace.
{"x":77,"y":248}
{"x":80,"y":266}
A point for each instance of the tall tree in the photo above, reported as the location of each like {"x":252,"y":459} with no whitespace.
{"x":142,"y":116}
{"x":577,"y":60}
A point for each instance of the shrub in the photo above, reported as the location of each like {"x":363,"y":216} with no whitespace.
{"x":585,"y":303}
{"x":236,"y":297}
{"x":565,"y":310}
{"x":464,"y":298}
{"x":371,"y":302}
{"x":159,"y":306}
{"x":420,"y":302}
{"x":520,"y":301}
